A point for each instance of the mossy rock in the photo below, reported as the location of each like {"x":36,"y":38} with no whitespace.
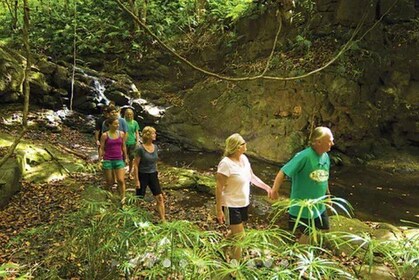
{"x":9,"y":180}
{"x":182,"y":178}
{"x":43,"y":163}
{"x":350,"y":225}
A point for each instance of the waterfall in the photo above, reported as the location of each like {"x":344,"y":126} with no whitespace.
{"x":100,"y":90}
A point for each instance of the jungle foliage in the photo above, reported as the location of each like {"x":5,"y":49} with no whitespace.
{"x":104,"y":241}
{"x":101,"y":26}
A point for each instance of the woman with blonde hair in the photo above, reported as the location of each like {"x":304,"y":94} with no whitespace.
{"x":133,"y":138}
{"x":146,"y":157}
{"x":234,"y":175}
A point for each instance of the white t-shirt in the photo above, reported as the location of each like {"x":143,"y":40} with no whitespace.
{"x":237,"y":190}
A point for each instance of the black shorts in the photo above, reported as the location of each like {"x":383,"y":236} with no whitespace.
{"x":321,"y":222}
{"x":235,"y":215}
{"x":151,"y":180}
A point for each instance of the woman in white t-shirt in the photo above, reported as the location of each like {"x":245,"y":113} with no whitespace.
{"x":234,"y":175}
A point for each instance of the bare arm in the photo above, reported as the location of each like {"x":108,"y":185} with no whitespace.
{"x":279,"y":179}
{"x":137,"y":136}
{"x":221,"y":182}
{"x":259,"y":183}
{"x":97,"y":132}
{"x":102,"y":145}
{"x":137,"y":160}
{"x":124,"y":148}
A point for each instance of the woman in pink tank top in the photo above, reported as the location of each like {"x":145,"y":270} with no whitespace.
{"x":113,"y":155}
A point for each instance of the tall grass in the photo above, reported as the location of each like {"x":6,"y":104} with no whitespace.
{"x":104,"y":241}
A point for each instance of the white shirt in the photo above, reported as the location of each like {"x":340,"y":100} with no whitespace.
{"x":237,"y":190}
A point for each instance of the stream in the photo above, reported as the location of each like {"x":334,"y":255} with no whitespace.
{"x":376,"y":195}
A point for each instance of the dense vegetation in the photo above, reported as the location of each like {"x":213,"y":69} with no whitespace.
{"x":102,"y":27}
{"x":103,"y":241}
{"x":89,"y":27}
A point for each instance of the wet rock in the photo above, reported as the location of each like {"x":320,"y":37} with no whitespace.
{"x":149,"y":113}
{"x":77,"y":121}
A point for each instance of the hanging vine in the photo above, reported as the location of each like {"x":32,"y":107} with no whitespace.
{"x":263,"y":75}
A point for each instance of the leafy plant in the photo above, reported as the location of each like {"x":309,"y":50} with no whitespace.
{"x":10,"y":270}
{"x":332,"y":203}
{"x":311,"y":266}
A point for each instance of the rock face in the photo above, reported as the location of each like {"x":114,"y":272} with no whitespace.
{"x":368,"y":107}
{"x":372,"y":107}
{"x":51,"y":85}
{"x":11,"y":79}
{"x":9,"y":181}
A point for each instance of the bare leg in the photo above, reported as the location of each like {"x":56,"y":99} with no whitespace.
{"x":120,"y":178}
{"x":160,"y":207}
{"x":130,"y":168}
{"x":115,"y":181}
{"x":109,"y":178}
{"x":236,"y":231}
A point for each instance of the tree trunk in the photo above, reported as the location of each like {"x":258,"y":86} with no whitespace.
{"x":134,"y":10}
{"x":26,"y":89}
{"x":144,"y":12}
{"x":15,"y":8}
{"x":200,"y":9}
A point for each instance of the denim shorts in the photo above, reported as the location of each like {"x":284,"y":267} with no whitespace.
{"x":112,"y":164}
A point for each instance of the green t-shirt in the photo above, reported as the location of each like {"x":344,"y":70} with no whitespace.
{"x":133,"y":127}
{"x":309,"y":174}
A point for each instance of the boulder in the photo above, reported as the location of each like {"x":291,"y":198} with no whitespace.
{"x":11,"y":75}
{"x":9,"y":181}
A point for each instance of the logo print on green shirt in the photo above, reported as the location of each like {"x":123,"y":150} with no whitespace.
{"x":319,"y":175}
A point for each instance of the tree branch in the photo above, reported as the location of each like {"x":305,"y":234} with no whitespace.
{"x":262,"y":75}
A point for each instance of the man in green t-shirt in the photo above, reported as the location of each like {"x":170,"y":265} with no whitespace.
{"x":309,"y":173}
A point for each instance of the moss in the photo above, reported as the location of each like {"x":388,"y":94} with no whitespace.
{"x":344,"y":224}
{"x":37,"y":164}
{"x":178,"y":178}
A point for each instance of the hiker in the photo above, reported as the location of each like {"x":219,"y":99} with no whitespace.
{"x":112,"y":154}
{"x":146,"y":157}
{"x":309,"y":172}
{"x":133,"y":138}
{"x":234,"y":175}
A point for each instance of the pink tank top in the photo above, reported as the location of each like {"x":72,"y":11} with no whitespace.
{"x":113,"y":148}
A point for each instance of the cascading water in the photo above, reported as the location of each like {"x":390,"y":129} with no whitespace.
{"x":100,"y":90}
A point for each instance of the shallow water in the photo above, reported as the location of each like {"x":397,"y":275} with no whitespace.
{"x":375,"y":195}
